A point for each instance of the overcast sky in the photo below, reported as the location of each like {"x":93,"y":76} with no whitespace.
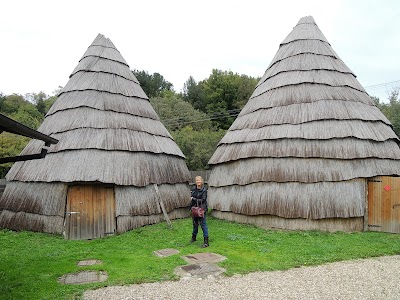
{"x":42,"y":41}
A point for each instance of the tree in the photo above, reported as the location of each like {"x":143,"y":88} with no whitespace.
{"x":221,"y":96}
{"x":198,"y":146}
{"x":10,"y":145}
{"x":10,"y":104}
{"x":392,"y":109}
{"x":48,"y":103}
{"x":153,"y":85}
{"x":175,"y":113}
{"x":193,"y":93}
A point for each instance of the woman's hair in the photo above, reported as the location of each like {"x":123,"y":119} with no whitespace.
{"x":201,"y":178}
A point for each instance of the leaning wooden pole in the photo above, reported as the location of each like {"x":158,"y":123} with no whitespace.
{"x":162,"y":206}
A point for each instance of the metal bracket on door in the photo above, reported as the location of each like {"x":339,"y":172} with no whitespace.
{"x":72,"y":212}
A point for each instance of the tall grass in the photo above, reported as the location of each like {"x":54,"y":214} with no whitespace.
{"x":31,"y":263}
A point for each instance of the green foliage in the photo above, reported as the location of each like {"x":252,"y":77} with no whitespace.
{"x":198,"y":146}
{"x":392,"y":109}
{"x":11,"y":104}
{"x":48,"y":103}
{"x":221,"y":96}
{"x":152,"y":84}
{"x":128,"y":258}
{"x":10,"y":145}
{"x":21,"y":110}
{"x":30,"y":113}
{"x":193,"y":93}
{"x":175,"y":113}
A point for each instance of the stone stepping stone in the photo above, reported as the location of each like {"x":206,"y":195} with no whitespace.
{"x":202,"y":269}
{"x":84,"y":277}
{"x":89,"y":262}
{"x":166,"y":252}
{"x":200,"y":265}
{"x":199,"y":271}
{"x":205,"y":257}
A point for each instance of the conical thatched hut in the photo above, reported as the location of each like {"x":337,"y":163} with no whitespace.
{"x":114,"y":162}
{"x":299,"y":154}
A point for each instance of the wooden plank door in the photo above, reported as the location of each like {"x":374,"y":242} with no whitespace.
{"x":90,"y":212}
{"x":384,"y":204}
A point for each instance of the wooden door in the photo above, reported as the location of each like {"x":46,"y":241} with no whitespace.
{"x":384,"y":204}
{"x":90,"y":212}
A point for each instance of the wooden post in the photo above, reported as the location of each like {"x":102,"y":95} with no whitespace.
{"x":366,"y":204}
{"x":161,"y":203}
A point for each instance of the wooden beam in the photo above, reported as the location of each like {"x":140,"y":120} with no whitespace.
{"x":161,"y":203}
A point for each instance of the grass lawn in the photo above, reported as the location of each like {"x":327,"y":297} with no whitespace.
{"x":31,"y":263}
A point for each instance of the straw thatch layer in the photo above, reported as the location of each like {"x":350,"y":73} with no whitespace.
{"x":268,"y":222}
{"x":107,"y":139}
{"x":325,"y":77}
{"x":98,"y":64}
{"x":297,"y":47}
{"x":103,"y":82}
{"x":306,"y":29}
{"x":85,"y":117}
{"x":292,"y":200}
{"x":125,"y":223}
{"x":347,"y":148}
{"x":105,"y":52}
{"x":34,"y":197}
{"x":103,"y":47}
{"x":318,"y":130}
{"x":303,"y":93}
{"x":307,"y":112}
{"x":121,"y":168}
{"x":33,"y":222}
{"x":144,"y":201}
{"x":101,"y":40}
{"x":251,"y":170}
{"x":305,"y":62}
{"x":104,"y":101}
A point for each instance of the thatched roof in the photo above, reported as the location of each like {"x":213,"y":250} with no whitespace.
{"x":107,"y":128}
{"x":308,"y":122}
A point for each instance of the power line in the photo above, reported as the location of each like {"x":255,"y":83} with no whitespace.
{"x":173,"y":122}
{"x":235,"y":112}
{"x":380,"y":85}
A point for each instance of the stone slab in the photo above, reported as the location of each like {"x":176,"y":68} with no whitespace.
{"x":84,"y":277}
{"x":205,"y":257}
{"x":199,"y":270}
{"x":166,"y":252}
{"x":89,"y":262}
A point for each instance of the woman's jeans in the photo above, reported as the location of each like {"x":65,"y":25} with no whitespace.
{"x":203,"y":226}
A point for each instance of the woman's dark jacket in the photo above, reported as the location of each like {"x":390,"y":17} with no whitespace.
{"x":199,"y":196}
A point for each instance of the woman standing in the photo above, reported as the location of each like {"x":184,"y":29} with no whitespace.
{"x":199,"y":198}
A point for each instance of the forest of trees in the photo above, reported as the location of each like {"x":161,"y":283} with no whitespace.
{"x":197,"y":117}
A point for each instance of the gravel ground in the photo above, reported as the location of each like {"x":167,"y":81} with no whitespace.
{"x":375,"y":278}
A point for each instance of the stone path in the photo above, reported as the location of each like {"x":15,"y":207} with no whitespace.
{"x":85,"y":276}
{"x":200,"y":265}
